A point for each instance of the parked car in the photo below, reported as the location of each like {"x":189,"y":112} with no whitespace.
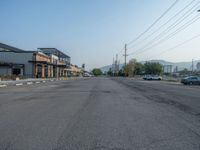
{"x":152,"y":77}
{"x":87,"y":75}
{"x":191,"y":80}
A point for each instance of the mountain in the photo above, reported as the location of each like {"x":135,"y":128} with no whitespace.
{"x":180,"y":65}
{"x":106,"y":68}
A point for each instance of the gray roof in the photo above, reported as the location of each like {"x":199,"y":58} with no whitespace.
{"x":10,"y":48}
{"x":54,"y":51}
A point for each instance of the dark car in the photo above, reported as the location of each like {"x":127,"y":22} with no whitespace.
{"x":191,"y":80}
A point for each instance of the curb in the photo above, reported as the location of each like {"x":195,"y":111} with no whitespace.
{"x":24,"y":83}
{"x":3,"y":85}
{"x":19,"y":84}
{"x":29,"y":83}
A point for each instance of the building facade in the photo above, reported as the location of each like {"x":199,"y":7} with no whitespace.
{"x":62,"y":63}
{"x":14,"y":61}
{"x":198,"y":66}
{"x":167,"y":69}
{"x":32,"y":64}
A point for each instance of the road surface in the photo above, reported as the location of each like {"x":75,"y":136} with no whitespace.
{"x":100,"y":114}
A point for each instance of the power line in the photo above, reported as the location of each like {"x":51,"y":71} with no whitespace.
{"x":187,"y":24}
{"x":173,"y":25}
{"x":169,"y":20}
{"x":179,"y":45}
{"x":154,"y":23}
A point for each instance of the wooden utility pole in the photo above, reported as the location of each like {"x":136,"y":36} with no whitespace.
{"x":125,"y":57}
{"x":125,"y":54}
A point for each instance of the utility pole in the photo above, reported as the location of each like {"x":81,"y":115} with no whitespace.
{"x":125,"y":54}
{"x":192,"y":66}
{"x":113,"y":66}
{"x":117,"y":65}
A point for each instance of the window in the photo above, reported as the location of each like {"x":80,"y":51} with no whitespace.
{"x":16,"y":71}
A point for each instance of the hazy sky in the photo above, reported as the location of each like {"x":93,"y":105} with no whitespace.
{"x":93,"y":31}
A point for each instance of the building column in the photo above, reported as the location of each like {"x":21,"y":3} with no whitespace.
{"x":49,"y":71}
{"x":57,"y":73}
{"x":43,"y":71}
{"x":36,"y":70}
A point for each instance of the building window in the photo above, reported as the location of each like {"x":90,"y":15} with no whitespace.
{"x":16,"y":71}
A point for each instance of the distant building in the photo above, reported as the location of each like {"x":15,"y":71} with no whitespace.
{"x":63,"y":62}
{"x":176,"y":69}
{"x":198,"y":66}
{"x":74,"y":70}
{"x":61,"y":56}
{"x":167,"y":68}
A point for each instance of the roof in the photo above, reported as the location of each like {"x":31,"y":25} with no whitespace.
{"x":54,"y":51}
{"x":4,"y":47}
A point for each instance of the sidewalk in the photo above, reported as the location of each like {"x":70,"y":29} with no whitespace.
{"x":31,"y":81}
{"x":25,"y":82}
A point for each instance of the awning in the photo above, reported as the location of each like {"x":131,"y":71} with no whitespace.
{"x":40,"y":62}
{"x":8,"y":64}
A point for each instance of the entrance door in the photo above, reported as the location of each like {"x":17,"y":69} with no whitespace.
{"x":39,"y":70}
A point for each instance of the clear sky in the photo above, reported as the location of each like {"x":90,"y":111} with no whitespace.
{"x":93,"y":31}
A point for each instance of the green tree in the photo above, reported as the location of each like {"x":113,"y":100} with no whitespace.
{"x":109,"y":72}
{"x":97,"y":71}
{"x":139,"y":68}
{"x":133,"y":68}
{"x":185,"y":71}
{"x":121,"y":72}
{"x":153,"y":68}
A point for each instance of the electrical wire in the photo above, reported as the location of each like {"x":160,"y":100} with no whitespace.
{"x":179,"y":45}
{"x":156,"y":21}
{"x":169,"y":20}
{"x":187,"y":24}
{"x":172,"y":26}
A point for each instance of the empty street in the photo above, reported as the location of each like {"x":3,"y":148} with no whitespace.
{"x":100,"y":114}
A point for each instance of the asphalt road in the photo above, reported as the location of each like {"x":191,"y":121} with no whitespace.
{"x":100,"y":114}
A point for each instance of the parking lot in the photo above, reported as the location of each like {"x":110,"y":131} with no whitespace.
{"x":100,"y":113}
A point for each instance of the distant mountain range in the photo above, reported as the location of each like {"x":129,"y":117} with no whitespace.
{"x":180,"y":65}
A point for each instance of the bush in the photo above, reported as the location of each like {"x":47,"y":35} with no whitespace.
{"x":153,"y":68}
{"x":97,"y":72}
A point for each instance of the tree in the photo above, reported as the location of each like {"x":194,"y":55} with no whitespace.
{"x":139,"y":68}
{"x":130,"y":68}
{"x":109,"y":72}
{"x":134,"y":68}
{"x":121,"y":72}
{"x":97,"y":71}
{"x":153,"y":68}
{"x":185,"y":71}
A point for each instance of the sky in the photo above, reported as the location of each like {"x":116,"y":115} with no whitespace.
{"x":94,"y":31}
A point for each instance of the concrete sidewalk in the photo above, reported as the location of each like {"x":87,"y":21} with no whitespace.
{"x":31,"y":81}
{"x":25,"y":82}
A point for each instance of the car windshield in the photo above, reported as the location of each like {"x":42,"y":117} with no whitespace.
{"x":99,"y":74}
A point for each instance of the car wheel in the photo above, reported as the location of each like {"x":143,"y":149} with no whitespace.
{"x":190,"y":83}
